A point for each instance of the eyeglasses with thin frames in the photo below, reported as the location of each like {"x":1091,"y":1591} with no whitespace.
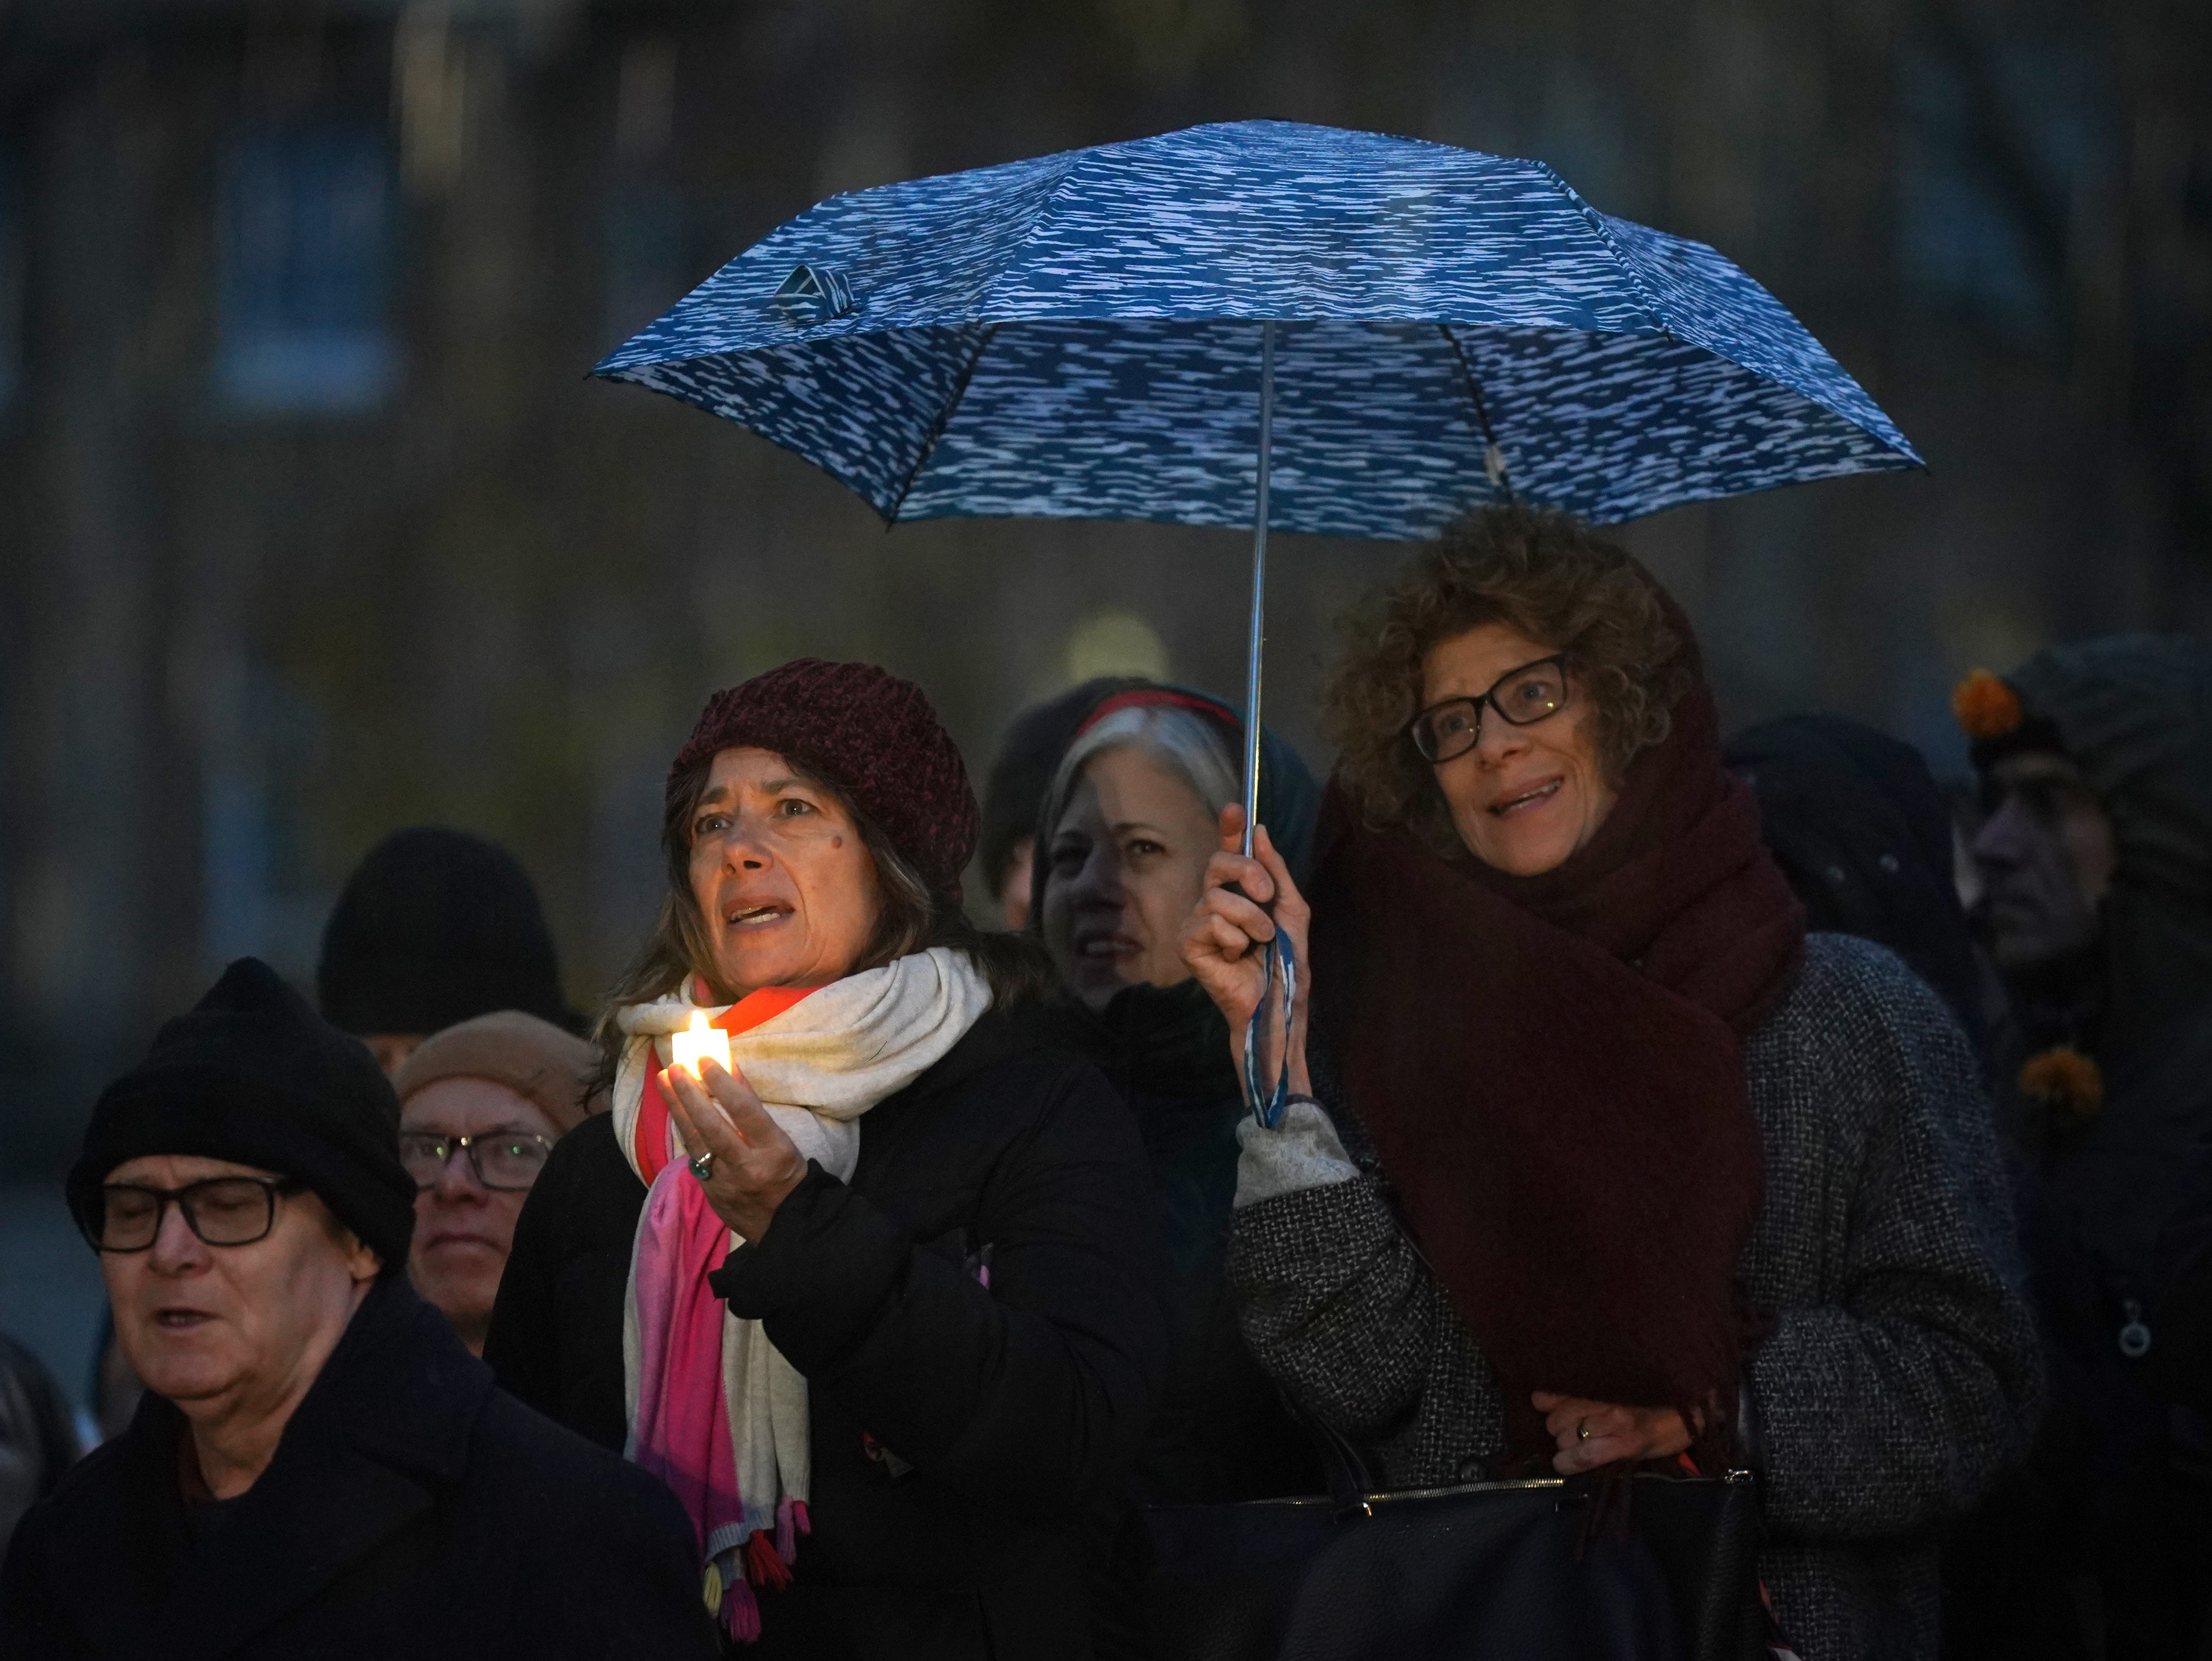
{"x":1452,"y":727}
{"x":223,"y":1210}
{"x":504,"y":1161}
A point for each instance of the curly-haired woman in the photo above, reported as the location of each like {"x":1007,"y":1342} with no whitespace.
{"x":1616,"y":1150}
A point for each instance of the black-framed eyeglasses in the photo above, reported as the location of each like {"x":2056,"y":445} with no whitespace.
{"x":505,"y":1161}
{"x":1522,"y":696}
{"x":223,"y":1210}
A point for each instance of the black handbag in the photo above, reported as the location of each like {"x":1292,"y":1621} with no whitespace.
{"x":1512,"y":1570}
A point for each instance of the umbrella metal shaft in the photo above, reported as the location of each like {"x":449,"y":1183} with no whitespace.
{"x":1258,"y":588}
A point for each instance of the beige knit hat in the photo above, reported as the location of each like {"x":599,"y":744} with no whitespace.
{"x":531,"y":1057}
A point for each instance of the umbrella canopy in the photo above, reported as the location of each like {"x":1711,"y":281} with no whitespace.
{"x":1079,"y":335}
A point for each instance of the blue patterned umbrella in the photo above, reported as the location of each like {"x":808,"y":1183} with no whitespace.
{"x":1368,"y":334}
{"x":1079,"y":335}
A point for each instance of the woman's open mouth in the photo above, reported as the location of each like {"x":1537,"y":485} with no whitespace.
{"x":1105,"y":948}
{"x":1527,"y":798}
{"x":755,"y":916}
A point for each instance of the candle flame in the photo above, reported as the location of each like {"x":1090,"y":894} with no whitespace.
{"x":701,"y":1038}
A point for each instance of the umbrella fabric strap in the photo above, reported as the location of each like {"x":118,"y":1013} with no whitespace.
{"x":1278,"y":962}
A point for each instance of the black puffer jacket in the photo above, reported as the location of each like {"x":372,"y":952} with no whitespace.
{"x":968,"y":1442}
{"x":1222,"y":1432}
{"x":411,"y":1510}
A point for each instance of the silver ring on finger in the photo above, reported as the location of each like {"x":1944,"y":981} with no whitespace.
{"x":1582,"y":1430}
{"x":702,"y":1166}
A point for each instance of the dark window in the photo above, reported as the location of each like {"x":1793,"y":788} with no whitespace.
{"x":1997,"y":143}
{"x":306,"y":235}
{"x":265,"y":752}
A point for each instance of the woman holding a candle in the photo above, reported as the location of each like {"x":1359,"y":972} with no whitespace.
{"x":879,"y":1299}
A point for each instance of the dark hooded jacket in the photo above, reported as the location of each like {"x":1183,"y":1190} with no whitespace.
{"x":410,"y":1510}
{"x":2114,"y":1203}
{"x":2134,"y":714}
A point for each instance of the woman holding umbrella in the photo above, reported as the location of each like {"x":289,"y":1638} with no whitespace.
{"x":878,"y":1297}
{"x":1618,"y":1164}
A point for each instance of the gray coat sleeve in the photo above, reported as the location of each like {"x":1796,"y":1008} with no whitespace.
{"x":1341,"y":1310}
{"x":1903,"y":1371}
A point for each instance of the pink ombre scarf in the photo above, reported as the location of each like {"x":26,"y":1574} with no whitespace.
{"x":682,"y":1434}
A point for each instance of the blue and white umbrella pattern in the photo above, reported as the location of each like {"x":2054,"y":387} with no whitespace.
{"x":1079,"y":335}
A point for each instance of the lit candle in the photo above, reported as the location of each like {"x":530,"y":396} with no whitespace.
{"x":700,"y":1041}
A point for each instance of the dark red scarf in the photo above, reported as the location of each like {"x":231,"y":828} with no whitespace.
{"x":1550,"y":1068}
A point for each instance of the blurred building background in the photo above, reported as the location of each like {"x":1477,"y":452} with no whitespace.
{"x":311,"y":525}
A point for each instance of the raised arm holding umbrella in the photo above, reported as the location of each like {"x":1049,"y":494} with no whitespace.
{"x":1309,"y":330}
{"x":1618,"y":1164}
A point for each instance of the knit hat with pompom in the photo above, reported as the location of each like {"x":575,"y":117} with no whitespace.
{"x":867,"y":735}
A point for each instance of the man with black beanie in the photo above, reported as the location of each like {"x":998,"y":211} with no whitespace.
{"x":436,"y":926}
{"x":318,"y":1467}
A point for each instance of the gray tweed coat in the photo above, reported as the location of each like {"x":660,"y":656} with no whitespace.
{"x":1903,"y":1370}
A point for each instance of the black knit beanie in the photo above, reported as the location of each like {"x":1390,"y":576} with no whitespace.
{"x":253,"y":1075}
{"x":436,"y":926}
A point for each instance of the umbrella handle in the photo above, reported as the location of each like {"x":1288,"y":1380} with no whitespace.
{"x":1268,"y":1108}
{"x":1259,"y":586}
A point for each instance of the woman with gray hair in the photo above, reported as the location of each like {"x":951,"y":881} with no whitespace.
{"x":1127,"y":826}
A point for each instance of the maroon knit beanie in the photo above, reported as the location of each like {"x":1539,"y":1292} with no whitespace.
{"x":868,"y":735}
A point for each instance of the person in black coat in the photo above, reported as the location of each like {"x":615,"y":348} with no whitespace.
{"x":1127,"y":825}
{"x":2095,"y":762}
{"x":937,"y":1238}
{"x":318,"y":1466}
{"x":38,"y":1442}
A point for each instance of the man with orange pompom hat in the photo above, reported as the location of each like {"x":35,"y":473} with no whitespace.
{"x":2095,"y":761}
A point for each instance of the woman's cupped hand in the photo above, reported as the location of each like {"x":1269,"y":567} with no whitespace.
{"x":1244,"y":902}
{"x":755,"y":1166}
{"x":1616,"y":1432}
